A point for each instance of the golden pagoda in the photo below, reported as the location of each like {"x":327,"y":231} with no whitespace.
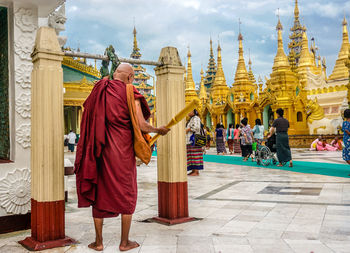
{"x":298,"y":84}
{"x":218,"y":94}
{"x":285,"y":91}
{"x":340,"y":71}
{"x":190,"y":87}
{"x":243,"y":89}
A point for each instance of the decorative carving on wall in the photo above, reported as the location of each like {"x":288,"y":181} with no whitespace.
{"x":23,"y":135}
{"x":15,"y":191}
{"x":23,"y":73}
{"x":25,"y":20}
{"x":23,"y":105}
{"x":24,"y":46}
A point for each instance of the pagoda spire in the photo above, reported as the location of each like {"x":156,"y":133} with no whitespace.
{"x":211,"y":70}
{"x":340,"y":71}
{"x":296,"y":10}
{"x":220,"y":76}
{"x":296,"y":35}
{"x":203,"y":90}
{"x":250,"y":72}
{"x":306,"y":57}
{"x":190,"y":88}
{"x":135,"y":51}
{"x":281,"y":60}
{"x":241,"y":71}
{"x":189,"y":80}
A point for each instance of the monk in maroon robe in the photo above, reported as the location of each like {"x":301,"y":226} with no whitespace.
{"x":105,"y":165}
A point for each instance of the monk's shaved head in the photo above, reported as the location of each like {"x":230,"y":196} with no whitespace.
{"x":125,"y":73}
{"x":126,"y":68}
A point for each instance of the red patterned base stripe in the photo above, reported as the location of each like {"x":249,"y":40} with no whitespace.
{"x":48,"y":220}
{"x":172,"y":200}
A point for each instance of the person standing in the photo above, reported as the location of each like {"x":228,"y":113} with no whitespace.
{"x":246,"y":140}
{"x":208,"y":138}
{"x":71,"y":140}
{"x":236,"y":140}
{"x":219,"y":137}
{"x":194,"y":153}
{"x":105,"y":164}
{"x":258,"y":131}
{"x":346,"y":137}
{"x":280,"y":127}
{"x":230,"y":138}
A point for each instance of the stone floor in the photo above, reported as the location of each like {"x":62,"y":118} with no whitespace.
{"x":239,"y":209}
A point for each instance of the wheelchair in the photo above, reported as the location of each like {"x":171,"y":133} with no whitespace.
{"x":266,"y":154}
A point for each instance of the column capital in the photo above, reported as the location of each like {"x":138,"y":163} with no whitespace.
{"x":46,"y":45}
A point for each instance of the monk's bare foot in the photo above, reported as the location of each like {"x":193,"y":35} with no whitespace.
{"x":128,"y":246}
{"x":194,"y":174}
{"x":96,"y":247}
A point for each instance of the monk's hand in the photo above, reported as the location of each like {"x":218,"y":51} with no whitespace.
{"x":162,"y":130}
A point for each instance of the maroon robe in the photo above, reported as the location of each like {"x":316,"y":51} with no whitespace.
{"x":105,"y":164}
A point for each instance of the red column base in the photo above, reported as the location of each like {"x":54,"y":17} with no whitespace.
{"x":170,"y":222}
{"x":33,"y":245}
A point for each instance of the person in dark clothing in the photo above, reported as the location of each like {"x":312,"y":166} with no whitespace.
{"x":280,"y":127}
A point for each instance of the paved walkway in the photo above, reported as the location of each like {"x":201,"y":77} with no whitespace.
{"x":239,"y":209}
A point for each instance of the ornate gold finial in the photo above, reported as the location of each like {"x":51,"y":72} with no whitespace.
{"x":241,"y":71}
{"x":296,"y":10}
{"x":250,"y":72}
{"x":211,"y":48}
{"x":279,"y":25}
{"x":281,"y":59}
{"x":190,"y":81}
{"x":203,"y":90}
{"x":345,"y":22}
{"x":135,"y":51}
{"x":190,"y":88}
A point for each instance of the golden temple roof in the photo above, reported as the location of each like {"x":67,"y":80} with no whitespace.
{"x":241,"y":71}
{"x":281,"y":60}
{"x":340,"y":71}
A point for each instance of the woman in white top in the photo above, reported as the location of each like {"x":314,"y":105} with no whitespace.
{"x":194,"y":153}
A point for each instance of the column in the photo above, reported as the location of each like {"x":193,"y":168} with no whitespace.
{"x":47,"y":203}
{"x":171,"y":162}
{"x":80,"y":113}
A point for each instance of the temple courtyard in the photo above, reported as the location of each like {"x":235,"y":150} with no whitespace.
{"x":237,"y":209}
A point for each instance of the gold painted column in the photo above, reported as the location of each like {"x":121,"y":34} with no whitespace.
{"x":47,"y":168}
{"x":171,"y":162}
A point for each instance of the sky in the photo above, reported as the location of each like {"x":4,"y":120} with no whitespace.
{"x":93,"y":25}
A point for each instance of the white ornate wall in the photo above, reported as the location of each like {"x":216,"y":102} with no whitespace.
{"x":15,"y":177}
{"x":330,"y":94}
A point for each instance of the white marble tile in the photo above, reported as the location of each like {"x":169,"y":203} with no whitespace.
{"x":308,"y":246}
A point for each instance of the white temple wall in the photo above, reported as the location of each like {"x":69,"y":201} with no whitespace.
{"x":15,"y":176}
